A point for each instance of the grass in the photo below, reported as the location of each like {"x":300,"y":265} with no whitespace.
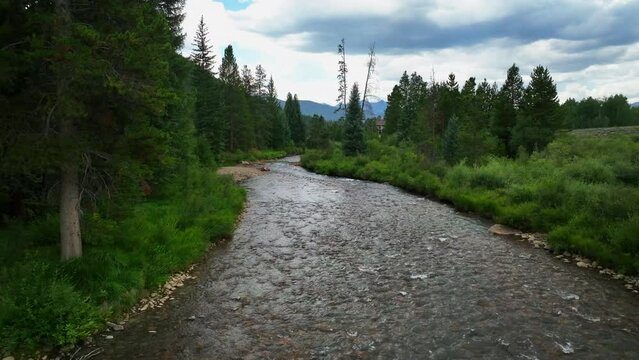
{"x":227,"y":159}
{"x":582,"y":190}
{"x":48,"y":303}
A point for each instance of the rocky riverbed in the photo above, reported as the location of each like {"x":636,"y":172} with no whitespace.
{"x":331,"y":268}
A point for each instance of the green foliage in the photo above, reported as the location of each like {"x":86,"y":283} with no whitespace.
{"x":451,"y":140}
{"x":294,"y":120}
{"x":581,"y":190}
{"x":353,"y":140}
{"x":47,"y":303}
{"x":225,"y":159}
{"x":318,"y":136}
{"x":539,"y":117}
{"x":508,"y":100}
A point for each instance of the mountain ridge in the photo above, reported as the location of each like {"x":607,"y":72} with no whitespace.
{"x":310,"y":108}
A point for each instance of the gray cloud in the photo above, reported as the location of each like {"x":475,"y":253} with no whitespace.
{"x":409,"y":31}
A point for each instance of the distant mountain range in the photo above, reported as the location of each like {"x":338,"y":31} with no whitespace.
{"x":635,"y":105}
{"x":311,"y":108}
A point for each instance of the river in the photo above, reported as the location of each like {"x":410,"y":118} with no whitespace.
{"x":333,"y":268}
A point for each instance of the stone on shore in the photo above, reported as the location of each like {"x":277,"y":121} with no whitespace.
{"x":503,"y":230}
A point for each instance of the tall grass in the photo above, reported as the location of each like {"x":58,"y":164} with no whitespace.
{"x":46,"y":303}
{"x":583,"y":191}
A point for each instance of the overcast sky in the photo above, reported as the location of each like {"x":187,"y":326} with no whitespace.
{"x":591,"y":47}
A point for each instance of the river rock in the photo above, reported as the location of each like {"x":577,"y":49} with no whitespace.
{"x":503,"y":230}
{"x":8,"y":358}
{"x":582,"y":264}
{"x":115,"y":327}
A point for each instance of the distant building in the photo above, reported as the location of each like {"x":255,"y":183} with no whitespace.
{"x":379,"y":124}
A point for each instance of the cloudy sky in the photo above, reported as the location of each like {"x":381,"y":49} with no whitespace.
{"x":591,"y":47}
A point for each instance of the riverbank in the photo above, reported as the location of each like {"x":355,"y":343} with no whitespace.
{"x":582,"y":191}
{"x":46,"y":304}
{"x":244,"y":171}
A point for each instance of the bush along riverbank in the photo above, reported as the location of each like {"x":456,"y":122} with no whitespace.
{"x":46,"y":303}
{"x":582,"y":191}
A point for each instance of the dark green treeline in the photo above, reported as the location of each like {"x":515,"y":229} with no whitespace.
{"x":108,"y":94}
{"x":447,"y":121}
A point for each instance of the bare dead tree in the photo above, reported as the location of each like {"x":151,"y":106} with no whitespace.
{"x":372,"y":60}
{"x":342,"y":96}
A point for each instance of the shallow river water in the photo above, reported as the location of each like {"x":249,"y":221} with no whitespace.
{"x":332,"y":268}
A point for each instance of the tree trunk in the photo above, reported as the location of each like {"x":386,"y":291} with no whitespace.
{"x":70,"y":236}
{"x":371,"y":68}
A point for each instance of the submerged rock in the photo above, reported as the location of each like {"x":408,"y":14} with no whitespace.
{"x":566,"y":349}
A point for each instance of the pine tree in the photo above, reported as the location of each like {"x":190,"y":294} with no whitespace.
{"x":485,"y":100}
{"x":507,"y":105}
{"x":353,"y":139}
{"x":260,"y":81}
{"x":201,"y":55}
{"x":248,"y":82}
{"x":539,"y":118}
{"x":86,"y":120}
{"x":452,"y":84}
{"x":294,"y":119}
{"x":228,"y":70}
{"x":173,"y":10}
{"x":317,"y":133}
{"x":271,"y":92}
{"x":393,"y":111}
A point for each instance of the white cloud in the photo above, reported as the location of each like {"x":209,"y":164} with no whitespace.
{"x":580,"y":67}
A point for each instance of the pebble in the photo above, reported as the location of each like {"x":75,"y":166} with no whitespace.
{"x":403,"y":293}
{"x":582,"y":264}
{"x":109,"y":337}
{"x":152,"y":332}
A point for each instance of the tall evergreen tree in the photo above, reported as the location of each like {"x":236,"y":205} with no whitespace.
{"x":507,"y":105}
{"x":485,"y":100}
{"x":539,"y":118}
{"x":248,"y":81}
{"x":294,"y":119}
{"x":86,"y":120}
{"x":271,"y":92}
{"x":229,"y":72}
{"x":260,"y":81}
{"x":452,"y":84}
{"x":201,"y":55}
{"x":353,"y":139}
{"x":393,"y":111}
{"x":173,"y":10}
